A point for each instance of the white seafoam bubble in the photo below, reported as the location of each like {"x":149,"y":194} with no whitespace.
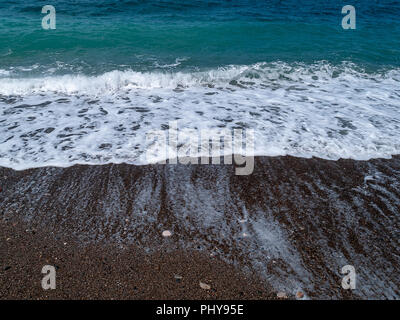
{"x":301,"y":110}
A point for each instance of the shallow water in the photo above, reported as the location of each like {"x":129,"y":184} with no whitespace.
{"x":113,"y":72}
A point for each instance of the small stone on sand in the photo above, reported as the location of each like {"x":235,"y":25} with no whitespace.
{"x":204,"y":286}
{"x":178,"y":278}
{"x":167,"y":233}
{"x":299,"y":295}
{"x":281,"y":295}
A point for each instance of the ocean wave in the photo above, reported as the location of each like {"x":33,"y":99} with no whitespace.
{"x":318,"y":110}
{"x":246,"y":76}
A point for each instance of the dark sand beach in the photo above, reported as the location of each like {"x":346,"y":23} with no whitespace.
{"x":107,"y":272}
{"x":290,"y":226}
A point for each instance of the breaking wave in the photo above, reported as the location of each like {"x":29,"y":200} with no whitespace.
{"x":321,"y":110}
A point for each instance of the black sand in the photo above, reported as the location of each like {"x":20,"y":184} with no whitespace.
{"x":303,"y":219}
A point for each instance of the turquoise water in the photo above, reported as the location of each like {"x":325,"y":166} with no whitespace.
{"x":93,"y":37}
{"x":114,"y":71}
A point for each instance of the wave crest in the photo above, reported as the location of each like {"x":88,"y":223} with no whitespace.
{"x":256,"y":75}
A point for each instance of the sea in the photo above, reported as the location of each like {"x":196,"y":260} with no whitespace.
{"x":91,"y":90}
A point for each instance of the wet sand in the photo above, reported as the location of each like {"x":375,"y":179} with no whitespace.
{"x":109,"y":272}
{"x":290,"y":226}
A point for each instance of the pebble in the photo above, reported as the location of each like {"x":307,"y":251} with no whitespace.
{"x":204,"y":286}
{"x":167,"y":233}
{"x":281,"y":295}
{"x":178,"y":278}
{"x":299,"y":295}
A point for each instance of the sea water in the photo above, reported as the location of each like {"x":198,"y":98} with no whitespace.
{"x":90,"y":90}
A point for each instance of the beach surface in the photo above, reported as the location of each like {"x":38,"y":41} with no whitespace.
{"x":109,"y":272}
{"x":289,"y":227}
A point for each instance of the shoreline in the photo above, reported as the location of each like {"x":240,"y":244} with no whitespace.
{"x":293,"y":224}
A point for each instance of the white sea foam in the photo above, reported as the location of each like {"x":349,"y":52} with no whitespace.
{"x":4,"y":72}
{"x":302,"y":110}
